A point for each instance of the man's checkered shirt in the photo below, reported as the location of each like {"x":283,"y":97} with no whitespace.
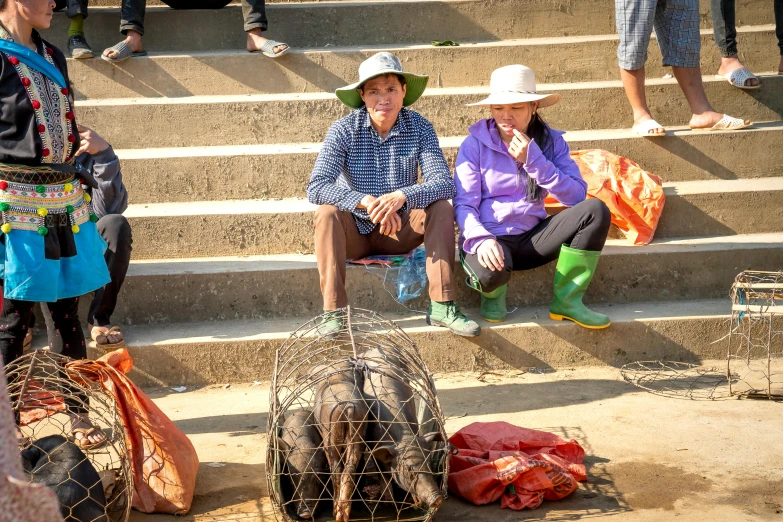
{"x":355,"y":162}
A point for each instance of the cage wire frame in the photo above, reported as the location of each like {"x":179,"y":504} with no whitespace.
{"x":755,"y":353}
{"x":311,"y":357}
{"x":42,"y":390}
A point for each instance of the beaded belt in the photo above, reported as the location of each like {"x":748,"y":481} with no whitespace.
{"x":36,"y":207}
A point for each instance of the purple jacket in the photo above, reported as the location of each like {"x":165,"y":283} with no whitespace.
{"x":490,"y":198}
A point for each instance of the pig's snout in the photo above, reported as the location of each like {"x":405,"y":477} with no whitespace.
{"x":304,"y":512}
{"x":434,"y":500}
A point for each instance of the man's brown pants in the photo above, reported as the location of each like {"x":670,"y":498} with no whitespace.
{"x":337,"y":238}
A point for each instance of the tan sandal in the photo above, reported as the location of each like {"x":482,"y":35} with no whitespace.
{"x":83,"y":442}
{"x":100,"y":334}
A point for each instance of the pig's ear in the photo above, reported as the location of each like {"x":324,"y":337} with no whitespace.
{"x":385,"y":453}
{"x":435,"y":436}
{"x":282,"y":445}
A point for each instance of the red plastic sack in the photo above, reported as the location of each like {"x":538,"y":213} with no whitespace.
{"x":635,"y":197}
{"x":163,"y":460}
{"x":522,"y":467}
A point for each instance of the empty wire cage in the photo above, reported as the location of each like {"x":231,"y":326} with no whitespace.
{"x":755,"y":344}
{"x":93,"y":483}
{"x":355,"y":428}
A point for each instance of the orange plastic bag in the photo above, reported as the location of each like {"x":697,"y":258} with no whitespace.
{"x":163,"y":460}
{"x":522,"y":467}
{"x":635,"y":197}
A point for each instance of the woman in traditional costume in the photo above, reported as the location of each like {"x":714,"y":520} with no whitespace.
{"x":50,"y":249}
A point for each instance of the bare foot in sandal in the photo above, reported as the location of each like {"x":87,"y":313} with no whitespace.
{"x":647,"y":126}
{"x":707,"y":120}
{"x":107,"y":336}
{"x":256,"y":41}
{"x":85,"y":434}
{"x":732,"y":63}
{"x":132,"y":40}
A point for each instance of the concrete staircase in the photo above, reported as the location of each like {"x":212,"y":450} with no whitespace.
{"x":217,"y":146}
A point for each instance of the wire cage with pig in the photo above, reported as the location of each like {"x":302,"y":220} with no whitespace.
{"x":355,"y":428}
{"x":56,"y":408}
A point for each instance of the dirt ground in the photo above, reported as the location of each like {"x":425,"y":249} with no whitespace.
{"x":649,"y":458}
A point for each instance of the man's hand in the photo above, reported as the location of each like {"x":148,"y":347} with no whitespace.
{"x":392,"y":225}
{"x":490,"y":255}
{"x":366,"y":202}
{"x":518,"y":147}
{"x":91,"y":142}
{"x":385,"y":206}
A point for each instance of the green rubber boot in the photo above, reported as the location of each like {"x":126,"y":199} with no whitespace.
{"x":493,"y":305}
{"x":448,"y":314}
{"x":332,"y":323}
{"x":575,"y":269}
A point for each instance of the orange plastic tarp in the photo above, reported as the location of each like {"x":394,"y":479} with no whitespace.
{"x":634,"y":197}
{"x":163,"y":460}
{"x":519,"y":466}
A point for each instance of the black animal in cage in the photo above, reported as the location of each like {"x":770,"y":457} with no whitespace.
{"x":94,"y":483}
{"x":341,"y":412}
{"x":305,"y":461}
{"x":374,"y":404}
{"x":60,"y":465}
{"x":395,"y":443}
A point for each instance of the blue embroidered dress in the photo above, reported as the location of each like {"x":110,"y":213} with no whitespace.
{"x":50,"y":248}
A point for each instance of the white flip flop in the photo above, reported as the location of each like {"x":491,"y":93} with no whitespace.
{"x":725,"y":123}
{"x":644,"y":128}
{"x":738,"y":77}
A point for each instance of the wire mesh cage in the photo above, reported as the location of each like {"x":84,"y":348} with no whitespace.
{"x":755,"y":350}
{"x":754,"y":360}
{"x":356,"y":431}
{"x":54,"y":406}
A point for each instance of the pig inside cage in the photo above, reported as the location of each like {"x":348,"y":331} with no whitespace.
{"x":56,"y":409}
{"x":356,"y":431}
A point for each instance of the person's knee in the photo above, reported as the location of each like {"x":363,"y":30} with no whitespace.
{"x":491,"y":280}
{"x":324,"y":214}
{"x":115,"y":230}
{"x":598,"y":214}
{"x":442,"y":207}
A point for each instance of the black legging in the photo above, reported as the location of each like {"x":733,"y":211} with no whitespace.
{"x":582,"y":227}
{"x":14,"y":321}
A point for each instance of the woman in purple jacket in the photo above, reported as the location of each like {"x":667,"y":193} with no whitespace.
{"x":505,"y":169}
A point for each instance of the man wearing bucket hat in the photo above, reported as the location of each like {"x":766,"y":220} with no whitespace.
{"x":505,"y":168}
{"x":365,"y":183}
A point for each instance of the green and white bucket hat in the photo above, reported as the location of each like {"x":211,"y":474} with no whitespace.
{"x":378,"y":65}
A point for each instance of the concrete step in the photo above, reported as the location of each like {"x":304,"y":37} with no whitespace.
{"x":258,"y":227}
{"x":274,"y":118}
{"x":373,"y":23}
{"x":555,"y":59}
{"x":282,"y":171}
{"x":218,"y":352}
{"x":203,"y":289}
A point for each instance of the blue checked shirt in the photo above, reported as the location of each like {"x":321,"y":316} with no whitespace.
{"x":355,"y":161}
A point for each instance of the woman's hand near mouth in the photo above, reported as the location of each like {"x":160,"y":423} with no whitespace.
{"x":518,"y":147}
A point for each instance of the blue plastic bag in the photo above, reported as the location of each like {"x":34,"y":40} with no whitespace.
{"x":412,"y":276}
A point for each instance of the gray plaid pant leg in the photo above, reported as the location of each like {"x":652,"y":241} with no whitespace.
{"x":634,"y":20}
{"x":677,"y":31}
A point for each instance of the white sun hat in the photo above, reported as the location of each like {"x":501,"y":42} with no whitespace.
{"x":515,"y":84}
